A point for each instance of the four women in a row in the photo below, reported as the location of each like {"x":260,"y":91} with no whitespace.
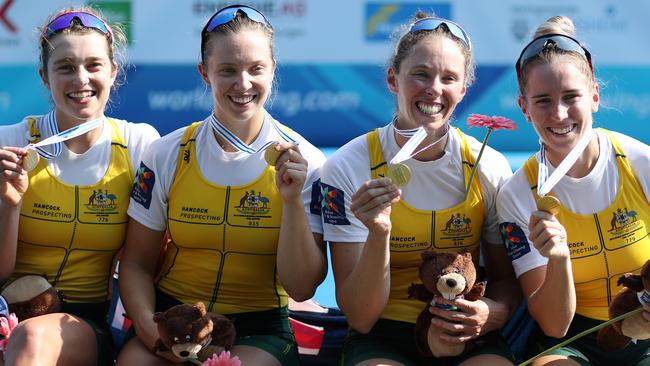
{"x":233,"y":211}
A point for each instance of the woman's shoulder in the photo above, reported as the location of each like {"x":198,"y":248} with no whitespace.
{"x":631,"y":145}
{"x":493,"y":164}
{"x":15,"y":134}
{"x":142,"y":128}
{"x":170,"y":141}
{"x":489,"y":152}
{"x":514,"y":186}
{"x":637,"y":152}
{"x":136,"y":133}
{"x":351,"y":156}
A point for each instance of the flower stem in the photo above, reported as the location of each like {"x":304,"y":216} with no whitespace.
{"x":582,"y":334}
{"x":475,"y":167}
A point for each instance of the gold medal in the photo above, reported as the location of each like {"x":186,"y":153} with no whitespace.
{"x":30,"y":160}
{"x":271,"y":155}
{"x":399,"y":173}
{"x":549,"y":204}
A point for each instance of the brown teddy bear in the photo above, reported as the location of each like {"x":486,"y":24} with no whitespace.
{"x":30,"y":295}
{"x":191,"y":333}
{"x":448,"y":275}
{"x":636,"y":291}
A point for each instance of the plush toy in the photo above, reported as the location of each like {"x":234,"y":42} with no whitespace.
{"x":636,"y":291}
{"x":448,"y":275}
{"x":29,"y":296}
{"x":191,"y":333}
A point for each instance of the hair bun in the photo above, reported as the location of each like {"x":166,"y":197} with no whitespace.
{"x":558,"y":24}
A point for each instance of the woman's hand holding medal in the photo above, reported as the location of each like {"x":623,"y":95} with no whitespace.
{"x":371,"y":204}
{"x":16,"y":162}
{"x":290,"y":167}
{"x":13,"y":175}
{"x":548,"y":235}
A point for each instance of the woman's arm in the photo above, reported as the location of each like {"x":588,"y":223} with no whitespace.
{"x":301,"y":256}
{"x":13,"y":185}
{"x":502,"y":285}
{"x":362,"y":270}
{"x":550,"y":289}
{"x":137,"y":270}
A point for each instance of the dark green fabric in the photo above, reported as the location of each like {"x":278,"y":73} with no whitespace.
{"x":586,"y":351}
{"x":395,"y":340}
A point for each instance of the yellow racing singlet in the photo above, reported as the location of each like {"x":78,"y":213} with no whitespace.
{"x":606,"y":244}
{"x":72,"y":233}
{"x":224,"y":239}
{"x":414,"y":231}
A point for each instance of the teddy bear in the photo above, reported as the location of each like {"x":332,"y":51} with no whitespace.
{"x":635,"y":292}
{"x":191,"y":333}
{"x":31,"y":295}
{"x":448,"y":275}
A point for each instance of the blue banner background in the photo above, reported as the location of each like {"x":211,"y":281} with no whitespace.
{"x":330,"y":104}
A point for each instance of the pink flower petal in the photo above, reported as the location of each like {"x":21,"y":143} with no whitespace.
{"x":494,"y":122}
{"x":223,"y":359}
{"x":5,"y":330}
{"x":13,"y":321}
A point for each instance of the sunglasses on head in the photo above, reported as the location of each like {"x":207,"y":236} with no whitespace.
{"x":228,"y":13}
{"x":65,"y":20}
{"x":547,"y":42}
{"x":433,"y":23}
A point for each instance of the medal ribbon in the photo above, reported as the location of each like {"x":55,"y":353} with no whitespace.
{"x":240,"y":145}
{"x":416,"y":136}
{"x":62,"y":136}
{"x":546,"y":183}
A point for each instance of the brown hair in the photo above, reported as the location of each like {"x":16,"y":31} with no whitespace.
{"x":407,"y":41}
{"x":238,"y":24}
{"x":116,"y":45}
{"x":558,"y":24}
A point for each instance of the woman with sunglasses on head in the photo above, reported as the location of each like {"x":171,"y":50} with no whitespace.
{"x":240,"y":227}
{"x":378,"y":231}
{"x":569,"y":258}
{"x":64,"y":214}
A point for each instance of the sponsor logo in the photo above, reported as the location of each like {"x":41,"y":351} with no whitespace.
{"x":525,"y":17}
{"x":516,"y":243}
{"x":143,"y":186}
{"x":333,"y":205}
{"x":4,"y":17}
{"x":118,"y":12}
{"x":382,"y":19}
{"x":289,"y":12}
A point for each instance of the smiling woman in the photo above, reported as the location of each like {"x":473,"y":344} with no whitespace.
{"x":378,"y":230}
{"x":80,"y":190}
{"x":568,"y":261}
{"x":244,"y":231}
